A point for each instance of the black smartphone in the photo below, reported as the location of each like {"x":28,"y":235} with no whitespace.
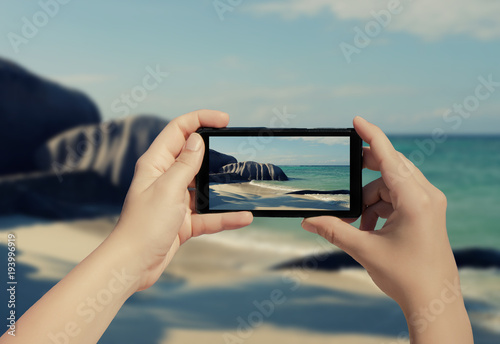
{"x":281,"y":172}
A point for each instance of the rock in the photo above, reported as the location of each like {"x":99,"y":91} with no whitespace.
{"x":32,"y":110}
{"x":226,"y":178}
{"x":83,"y":172}
{"x":82,"y":194}
{"x":318,"y":192}
{"x":216,"y":160}
{"x":329,"y":261}
{"x":110,"y":149}
{"x":482,"y":258}
{"x":251,"y":170}
{"x":477,"y":258}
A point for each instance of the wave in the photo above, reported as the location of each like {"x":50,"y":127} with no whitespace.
{"x":331,"y":198}
{"x":276,"y":243}
{"x":273,"y":186}
{"x":291,"y":190}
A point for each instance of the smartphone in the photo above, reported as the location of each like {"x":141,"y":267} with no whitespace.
{"x":277,"y":172}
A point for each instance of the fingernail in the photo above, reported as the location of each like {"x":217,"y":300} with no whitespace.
{"x":308,"y":226}
{"x":247,"y":216}
{"x":193,"y":143}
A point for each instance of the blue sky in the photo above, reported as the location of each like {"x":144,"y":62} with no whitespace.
{"x":285,"y":150}
{"x":275,"y":56}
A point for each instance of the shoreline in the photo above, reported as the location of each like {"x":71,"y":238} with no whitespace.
{"x":209,"y":285}
{"x":248,"y":196}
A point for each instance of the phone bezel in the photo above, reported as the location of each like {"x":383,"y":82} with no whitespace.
{"x":356,"y":164}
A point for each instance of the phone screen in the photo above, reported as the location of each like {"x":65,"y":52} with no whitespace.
{"x":279,"y":173}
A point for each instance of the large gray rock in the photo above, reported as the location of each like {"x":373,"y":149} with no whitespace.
{"x":216,"y":160}
{"x":79,"y":195}
{"x":251,"y":170}
{"x":32,"y":110}
{"x":226,"y":178}
{"x":109,"y":149}
{"x":83,"y":172}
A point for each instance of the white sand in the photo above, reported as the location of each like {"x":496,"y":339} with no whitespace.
{"x":246,"y":196}
{"x":209,"y":287}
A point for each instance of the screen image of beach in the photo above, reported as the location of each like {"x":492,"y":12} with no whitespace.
{"x":279,"y":173}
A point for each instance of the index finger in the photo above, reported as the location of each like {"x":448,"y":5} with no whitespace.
{"x":168,"y":144}
{"x":384,"y":158}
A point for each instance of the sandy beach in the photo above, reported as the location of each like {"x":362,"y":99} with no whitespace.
{"x":253,"y":196}
{"x":214,"y":292}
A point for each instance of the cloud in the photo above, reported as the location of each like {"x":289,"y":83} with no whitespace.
{"x":428,"y":19}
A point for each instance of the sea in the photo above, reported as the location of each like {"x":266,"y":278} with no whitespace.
{"x":465,"y":168}
{"x":313,"y":177}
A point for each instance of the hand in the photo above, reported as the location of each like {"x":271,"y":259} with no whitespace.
{"x":156,"y":219}
{"x":157,"y":216}
{"x":410,"y":258}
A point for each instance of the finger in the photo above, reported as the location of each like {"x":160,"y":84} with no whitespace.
{"x":417,"y":174}
{"x":346,"y":237}
{"x":187,"y":199}
{"x":372,"y":213}
{"x":184,"y":169}
{"x":387,"y":160}
{"x":381,"y":147}
{"x":408,"y":168}
{"x":168,"y":144}
{"x":369,"y":161}
{"x":213,"y":223}
{"x":375,"y":191}
{"x":349,"y":220}
{"x":192,"y":200}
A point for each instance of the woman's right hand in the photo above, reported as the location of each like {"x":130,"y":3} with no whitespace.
{"x":410,"y":258}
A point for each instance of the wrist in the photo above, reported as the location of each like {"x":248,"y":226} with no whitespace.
{"x":124,"y":264}
{"x":438,"y":316}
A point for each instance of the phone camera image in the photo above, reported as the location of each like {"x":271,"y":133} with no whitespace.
{"x":281,"y":172}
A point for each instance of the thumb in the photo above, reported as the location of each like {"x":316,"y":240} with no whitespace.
{"x":186,"y":166}
{"x":346,"y":237}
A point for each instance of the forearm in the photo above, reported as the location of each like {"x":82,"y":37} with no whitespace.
{"x":441,"y":318}
{"x":81,"y":306}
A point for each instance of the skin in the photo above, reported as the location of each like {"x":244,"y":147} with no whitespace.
{"x":410,"y":259}
{"x":158,"y":216}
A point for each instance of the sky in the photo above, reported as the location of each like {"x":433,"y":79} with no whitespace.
{"x":408,"y":66}
{"x":285,"y":150}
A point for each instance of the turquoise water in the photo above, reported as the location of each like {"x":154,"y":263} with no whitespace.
{"x":466,"y":169}
{"x":313,"y":177}
{"x":300,"y":178}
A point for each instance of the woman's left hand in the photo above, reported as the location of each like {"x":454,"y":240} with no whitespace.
{"x":158,"y":215}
